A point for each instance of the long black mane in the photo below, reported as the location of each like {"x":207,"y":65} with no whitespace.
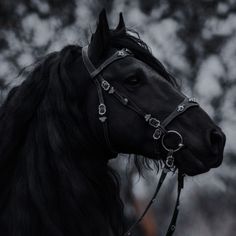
{"x":51,"y":179}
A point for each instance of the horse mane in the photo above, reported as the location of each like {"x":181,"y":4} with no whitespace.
{"x":51,"y":182}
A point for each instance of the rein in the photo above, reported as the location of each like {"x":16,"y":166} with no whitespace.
{"x":160,"y":133}
{"x":172,"y":224}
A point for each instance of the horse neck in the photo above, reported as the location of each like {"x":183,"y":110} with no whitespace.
{"x":81,"y":201}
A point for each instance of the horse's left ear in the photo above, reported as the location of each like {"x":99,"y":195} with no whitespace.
{"x":100,"y":39}
{"x":121,"y":24}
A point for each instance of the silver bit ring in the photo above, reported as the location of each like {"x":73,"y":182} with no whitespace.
{"x":179,"y":145}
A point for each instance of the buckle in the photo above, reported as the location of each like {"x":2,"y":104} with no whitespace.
{"x":157,"y":134}
{"x":102,"y":109}
{"x":154,"y":122}
{"x":170,"y":161}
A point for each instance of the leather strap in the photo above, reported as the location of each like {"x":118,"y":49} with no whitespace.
{"x":172,"y":225}
{"x":116,"y":56}
{"x":96,"y":71}
{"x":181,"y":108}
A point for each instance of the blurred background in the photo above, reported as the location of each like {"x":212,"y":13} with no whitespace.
{"x":196,"y":41}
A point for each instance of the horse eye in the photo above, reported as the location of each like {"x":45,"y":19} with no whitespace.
{"x":132,"y":81}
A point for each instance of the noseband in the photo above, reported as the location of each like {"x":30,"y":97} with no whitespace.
{"x":160,"y":133}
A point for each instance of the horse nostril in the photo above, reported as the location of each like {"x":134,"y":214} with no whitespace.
{"x":217,"y":141}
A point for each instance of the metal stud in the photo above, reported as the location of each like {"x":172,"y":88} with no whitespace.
{"x":125,"y":101}
{"x":147,"y":117}
{"x":111,"y":90}
{"x":121,"y":53}
{"x":102,"y":118}
{"x":192,"y":100}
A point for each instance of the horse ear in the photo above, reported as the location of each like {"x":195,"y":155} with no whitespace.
{"x":100,"y":39}
{"x":121,"y":24}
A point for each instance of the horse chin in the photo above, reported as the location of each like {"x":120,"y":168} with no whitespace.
{"x":190,"y":164}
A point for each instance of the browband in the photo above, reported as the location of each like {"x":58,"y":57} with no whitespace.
{"x":95,"y":71}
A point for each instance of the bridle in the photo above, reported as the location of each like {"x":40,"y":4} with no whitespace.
{"x":160,"y":133}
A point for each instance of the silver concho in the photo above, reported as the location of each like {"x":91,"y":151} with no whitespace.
{"x":180,"y":108}
{"x":105,"y":85}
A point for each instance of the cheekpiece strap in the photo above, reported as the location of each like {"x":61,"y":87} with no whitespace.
{"x":181,"y":108}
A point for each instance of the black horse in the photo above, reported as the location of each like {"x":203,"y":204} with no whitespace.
{"x":54,"y":149}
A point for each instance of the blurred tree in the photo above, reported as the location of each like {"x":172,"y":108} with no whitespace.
{"x":18,"y":30}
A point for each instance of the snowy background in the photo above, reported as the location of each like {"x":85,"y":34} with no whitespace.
{"x":197,"y":43}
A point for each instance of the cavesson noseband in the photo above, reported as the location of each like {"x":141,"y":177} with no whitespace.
{"x":160,"y":132}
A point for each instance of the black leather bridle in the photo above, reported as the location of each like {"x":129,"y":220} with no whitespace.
{"x":160,"y":132}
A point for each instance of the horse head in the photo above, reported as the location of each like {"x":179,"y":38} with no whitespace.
{"x":140,"y":98}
